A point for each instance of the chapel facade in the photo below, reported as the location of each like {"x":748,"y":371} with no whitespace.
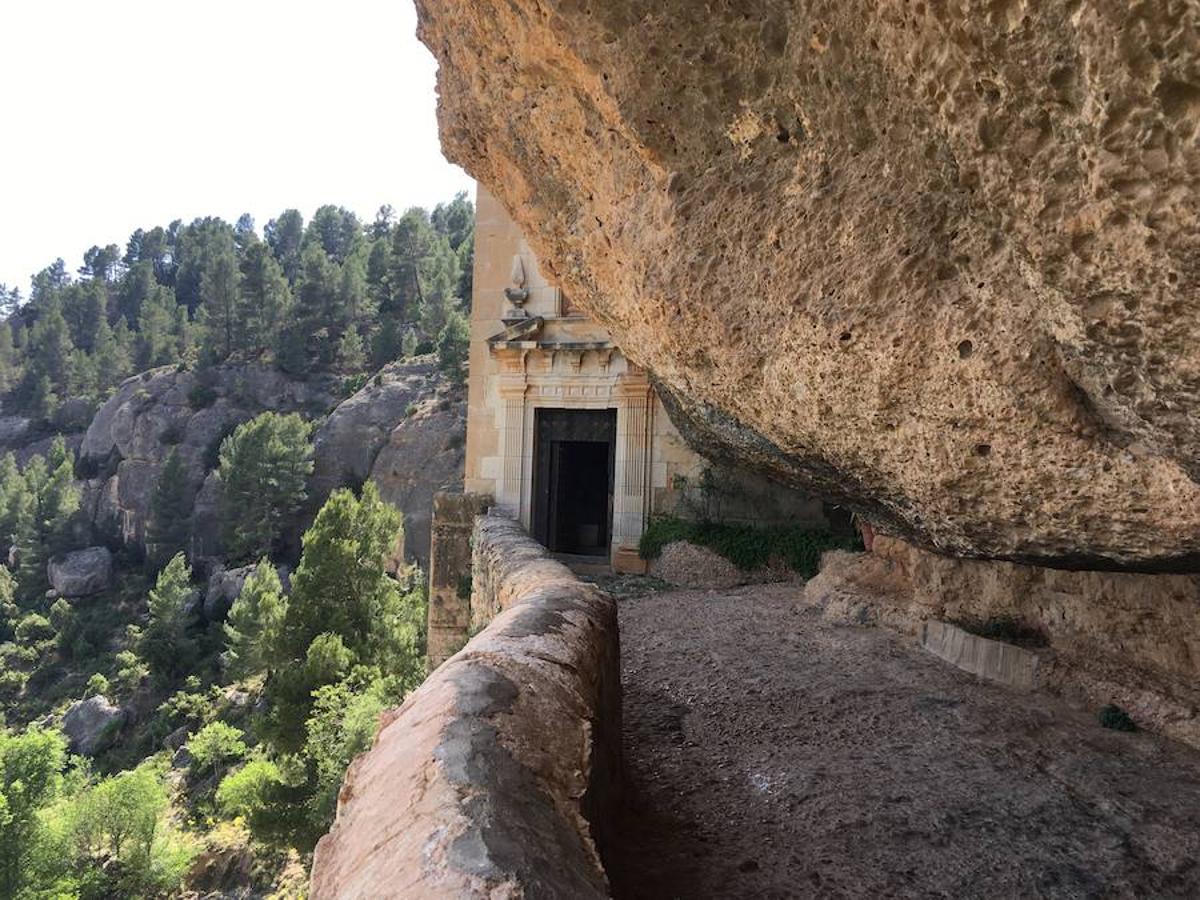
{"x":565,"y":433}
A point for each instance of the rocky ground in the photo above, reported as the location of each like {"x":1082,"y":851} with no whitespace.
{"x":770,"y":754}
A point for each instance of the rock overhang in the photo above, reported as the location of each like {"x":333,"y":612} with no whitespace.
{"x":934,"y":261}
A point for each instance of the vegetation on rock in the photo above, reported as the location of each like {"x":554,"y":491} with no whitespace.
{"x":746,"y":546}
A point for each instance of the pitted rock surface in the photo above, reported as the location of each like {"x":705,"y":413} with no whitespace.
{"x":938,"y":260}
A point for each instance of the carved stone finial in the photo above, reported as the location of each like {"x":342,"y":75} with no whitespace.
{"x":518,"y":293}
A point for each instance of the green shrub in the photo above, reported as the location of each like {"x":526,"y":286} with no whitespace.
{"x":97,"y":686}
{"x":248,"y":792}
{"x":12,"y":682}
{"x":191,"y":707}
{"x":352,"y":384}
{"x":1112,"y":716}
{"x":215,"y":745}
{"x":33,"y":629}
{"x":746,"y":546}
{"x":131,"y":671}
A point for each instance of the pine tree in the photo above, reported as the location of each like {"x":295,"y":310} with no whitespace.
{"x":440,"y":279}
{"x":284,"y":236}
{"x":111,"y":358}
{"x":221,"y":307}
{"x":9,"y":364}
{"x":453,"y":346}
{"x":344,"y":610}
{"x":388,"y":344}
{"x":266,"y":297}
{"x":264,"y":468}
{"x":44,"y":401}
{"x":252,"y":630}
{"x":156,"y":345}
{"x":354,"y":305}
{"x":165,"y":645}
{"x":412,"y":239}
{"x":49,"y":353}
{"x":352,"y":353}
{"x":12,"y":491}
{"x":379,"y":263}
{"x":58,"y":501}
{"x":171,"y":510}
{"x":317,"y":299}
{"x":82,"y":381}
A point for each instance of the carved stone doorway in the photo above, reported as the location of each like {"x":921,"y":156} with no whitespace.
{"x":574,"y":460}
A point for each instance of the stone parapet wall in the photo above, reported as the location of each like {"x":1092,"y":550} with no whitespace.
{"x":497,"y":776}
{"x":1116,"y":637}
{"x":449,"y":570}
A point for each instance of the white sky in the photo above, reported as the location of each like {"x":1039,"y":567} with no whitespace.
{"x":120,"y":114}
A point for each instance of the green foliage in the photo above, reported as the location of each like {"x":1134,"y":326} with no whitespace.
{"x":1115,"y":718}
{"x":123,"y":836}
{"x":170,"y":510}
{"x":165,"y":645}
{"x":191,"y":706}
{"x":31,"y":766}
{"x":746,"y":546}
{"x":97,"y":686}
{"x":255,"y":622}
{"x":39,"y":511}
{"x":214,"y":746}
{"x":33,"y":629}
{"x":264,"y":468}
{"x":300,"y":293}
{"x":249,"y":793}
{"x":342,"y":725}
{"x":453,"y":345}
{"x":131,"y":671}
{"x":344,"y":611}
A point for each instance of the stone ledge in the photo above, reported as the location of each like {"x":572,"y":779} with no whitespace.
{"x":496,"y":777}
{"x":994,"y":660}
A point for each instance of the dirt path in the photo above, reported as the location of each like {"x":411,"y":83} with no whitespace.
{"x":772,"y":755}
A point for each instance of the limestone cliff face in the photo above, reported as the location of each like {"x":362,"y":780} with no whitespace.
{"x":938,"y":259}
{"x":403,"y":430}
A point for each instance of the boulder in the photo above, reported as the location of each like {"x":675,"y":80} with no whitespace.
{"x":224,"y":585}
{"x":81,"y":572}
{"x":13,"y":430}
{"x":937,"y":262}
{"x":90,"y":725}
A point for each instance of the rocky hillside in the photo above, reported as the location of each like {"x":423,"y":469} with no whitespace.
{"x":938,"y":261}
{"x":403,"y":429}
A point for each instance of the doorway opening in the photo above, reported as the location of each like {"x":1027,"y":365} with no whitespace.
{"x":574,"y":457}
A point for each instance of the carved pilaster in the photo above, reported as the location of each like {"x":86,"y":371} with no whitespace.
{"x":512,"y":385}
{"x":632,"y":396}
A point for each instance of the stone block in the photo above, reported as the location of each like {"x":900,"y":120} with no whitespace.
{"x":994,"y":660}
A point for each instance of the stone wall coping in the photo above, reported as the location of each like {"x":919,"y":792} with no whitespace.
{"x":496,"y":776}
